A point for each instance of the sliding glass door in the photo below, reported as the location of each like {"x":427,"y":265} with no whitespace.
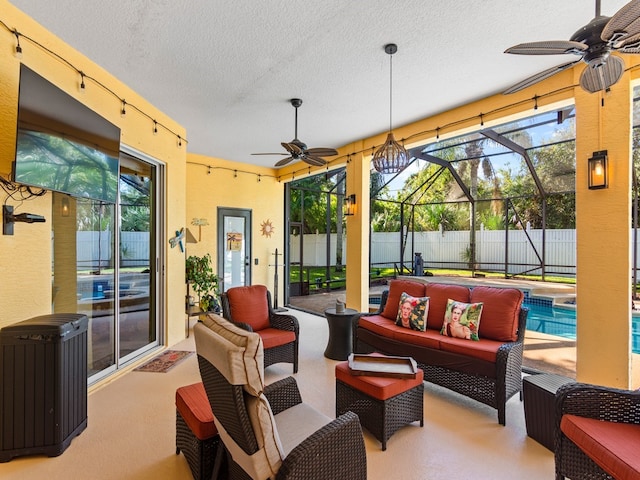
{"x":105,"y":264}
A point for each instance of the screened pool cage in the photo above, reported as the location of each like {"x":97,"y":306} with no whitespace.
{"x":498,"y":200}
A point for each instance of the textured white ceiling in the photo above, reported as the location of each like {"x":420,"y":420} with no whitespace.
{"x":226,"y":69}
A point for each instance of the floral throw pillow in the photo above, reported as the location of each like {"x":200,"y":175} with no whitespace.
{"x":461,"y":320}
{"x":412,"y":312}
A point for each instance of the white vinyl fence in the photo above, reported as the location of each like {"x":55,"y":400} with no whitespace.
{"x":447,"y":249}
{"x":95,"y":248}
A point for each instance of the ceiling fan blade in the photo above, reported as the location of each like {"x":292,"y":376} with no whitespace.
{"x":315,"y":161}
{"x":284,"y":161}
{"x":322,"y":152}
{"x":538,"y":77}
{"x":270,"y":153}
{"x":625,"y":23}
{"x":594,"y":79}
{"x":292,"y":148}
{"x":552,"y":47}
{"x":629,"y":45}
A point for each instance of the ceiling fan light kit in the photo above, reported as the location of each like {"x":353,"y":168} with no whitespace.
{"x":297,"y":150}
{"x":391,"y":157}
{"x":594,"y":43}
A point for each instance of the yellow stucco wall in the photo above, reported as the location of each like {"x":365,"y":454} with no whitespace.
{"x":234,"y":185}
{"x":25,"y":258}
{"x":603,"y":247}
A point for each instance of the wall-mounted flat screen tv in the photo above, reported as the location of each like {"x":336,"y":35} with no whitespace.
{"x":62,"y":145}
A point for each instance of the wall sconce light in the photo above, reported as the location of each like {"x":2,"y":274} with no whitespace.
{"x":64,"y":207}
{"x":598,"y":170}
{"x":350,"y":205}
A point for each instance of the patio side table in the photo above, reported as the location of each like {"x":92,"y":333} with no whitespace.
{"x":339,"y":345}
{"x":539,"y":393}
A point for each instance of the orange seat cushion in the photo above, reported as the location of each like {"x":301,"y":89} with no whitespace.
{"x":613,"y":446}
{"x":482,"y":350}
{"x":396,"y":287}
{"x":249,"y":305}
{"x":273,"y":337}
{"x":380,"y":388}
{"x":194,"y":407}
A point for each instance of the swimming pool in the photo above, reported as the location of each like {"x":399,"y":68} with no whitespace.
{"x":562,"y":323}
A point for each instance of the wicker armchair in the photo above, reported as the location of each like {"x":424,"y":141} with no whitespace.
{"x":262,"y":427}
{"x":250,"y":308}
{"x":595,"y":402}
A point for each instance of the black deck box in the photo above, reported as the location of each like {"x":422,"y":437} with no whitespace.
{"x":43,"y":384}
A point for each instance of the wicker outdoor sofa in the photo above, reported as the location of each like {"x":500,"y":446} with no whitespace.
{"x":488,"y":370}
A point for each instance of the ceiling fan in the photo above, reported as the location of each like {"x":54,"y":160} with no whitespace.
{"x":297,"y":150}
{"x":593,"y":43}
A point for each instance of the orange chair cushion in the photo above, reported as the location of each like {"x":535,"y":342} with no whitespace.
{"x":273,"y":337}
{"x":500,"y":312}
{"x":380,"y":388}
{"x":396,"y":287}
{"x":249,"y":305}
{"x":613,"y":446}
{"x":439,"y":294}
{"x":194,"y":407}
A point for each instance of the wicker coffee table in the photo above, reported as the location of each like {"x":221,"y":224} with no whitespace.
{"x":383,"y":404}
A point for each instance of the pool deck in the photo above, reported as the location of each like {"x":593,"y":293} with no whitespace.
{"x":542,"y":352}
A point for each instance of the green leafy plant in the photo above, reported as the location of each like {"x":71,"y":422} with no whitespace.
{"x":199,"y":273}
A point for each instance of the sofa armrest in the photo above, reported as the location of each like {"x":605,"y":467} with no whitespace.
{"x":599,"y":402}
{"x":283,"y":394}
{"x":335,"y":451}
{"x":383,"y":301}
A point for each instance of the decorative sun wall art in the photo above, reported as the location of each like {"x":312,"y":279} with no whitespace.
{"x":267,"y":228}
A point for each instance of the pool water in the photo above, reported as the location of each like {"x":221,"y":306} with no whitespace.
{"x":562,"y":323}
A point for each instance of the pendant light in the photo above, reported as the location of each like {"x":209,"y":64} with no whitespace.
{"x":391,"y":157}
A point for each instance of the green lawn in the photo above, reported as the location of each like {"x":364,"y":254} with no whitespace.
{"x":317,"y":276}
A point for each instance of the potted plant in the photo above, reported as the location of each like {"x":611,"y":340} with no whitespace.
{"x":199,"y":273}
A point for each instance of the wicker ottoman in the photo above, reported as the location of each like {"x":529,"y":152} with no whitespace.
{"x":196,"y":434}
{"x":539,"y":395}
{"x":383,"y":404}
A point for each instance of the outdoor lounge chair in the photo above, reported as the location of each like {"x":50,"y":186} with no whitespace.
{"x":250,"y":308}
{"x":268,"y":432}
{"x":597,"y":432}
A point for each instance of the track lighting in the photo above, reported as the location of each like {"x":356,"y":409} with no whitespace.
{"x":155,"y":127}
{"x":82,"y":84}
{"x":123,"y":111}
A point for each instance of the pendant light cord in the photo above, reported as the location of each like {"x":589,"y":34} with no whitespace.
{"x":390,"y":91}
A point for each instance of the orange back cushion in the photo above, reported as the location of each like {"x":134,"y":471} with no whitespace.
{"x":249,"y":305}
{"x":396,"y":287}
{"x":500,"y":312}
{"x":439,"y":294}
